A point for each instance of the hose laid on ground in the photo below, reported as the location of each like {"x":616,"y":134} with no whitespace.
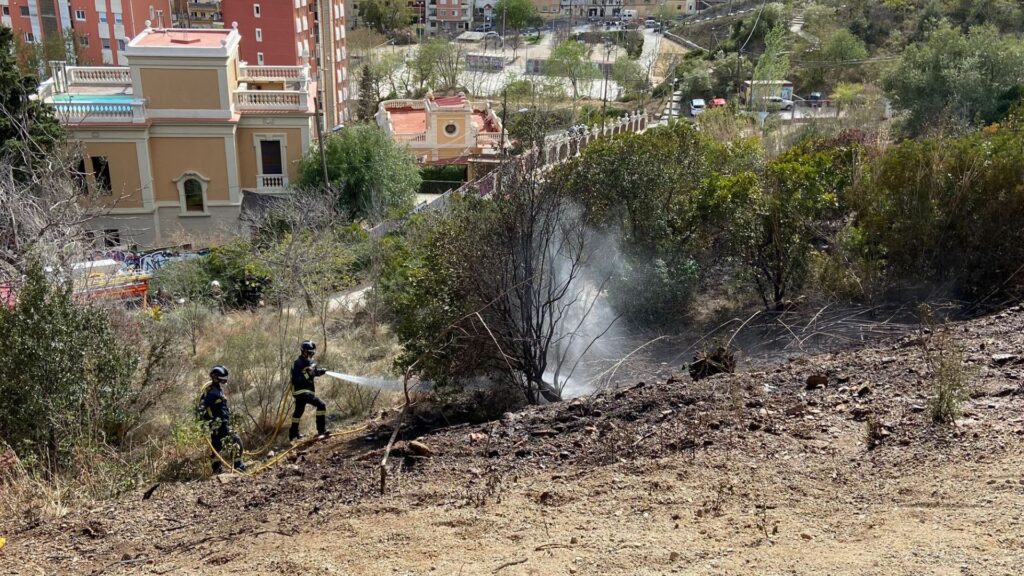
{"x":273,"y":461}
{"x":282,"y":413}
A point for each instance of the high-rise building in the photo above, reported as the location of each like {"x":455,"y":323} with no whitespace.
{"x":295,"y":32}
{"x":100,"y":28}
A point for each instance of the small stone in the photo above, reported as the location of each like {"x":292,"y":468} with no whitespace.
{"x":1002,"y":359}
{"x":917,"y":407}
{"x":674,"y":556}
{"x":815,"y":381}
{"x":763,"y":412}
{"x":864,"y":390}
{"x":806,"y":536}
{"x":419,"y":448}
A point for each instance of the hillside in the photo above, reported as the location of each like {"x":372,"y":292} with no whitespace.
{"x":754,"y":473}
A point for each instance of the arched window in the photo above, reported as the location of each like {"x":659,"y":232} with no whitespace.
{"x":192,"y":192}
{"x":194,"y":196}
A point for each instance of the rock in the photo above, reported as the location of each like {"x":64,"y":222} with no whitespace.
{"x":543,"y":432}
{"x":842,"y":379}
{"x":475,"y":437}
{"x":864,"y":390}
{"x":888,"y":360}
{"x":815,"y":381}
{"x":419,"y":448}
{"x":806,"y":536}
{"x":795,"y":410}
{"x":1003,"y":359}
{"x":763,"y":412}
{"x":843,"y":390}
{"x":917,"y":407}
{"x":674,"y":556}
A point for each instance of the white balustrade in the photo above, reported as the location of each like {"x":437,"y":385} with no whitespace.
{"x":269,"y":182}
{"x":409,"y":138}
{"x":99,"y":75}
{"x":252,"y":100}
{"x":100,"y":112}
{"x":272,"y":73}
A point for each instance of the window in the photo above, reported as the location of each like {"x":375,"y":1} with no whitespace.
{"x":24,"y":10}
{"x":270,"y":157}
{"x":7,"y":10}
{"x":83,"y":41}
{"x":256,"y":10}
{"x":101,"y":174}
{"x":30,"y":37}
{"x":111,"y":238}
{"x":80,"y":15}
{"x":103,"y":17}
{"x":105,"y":43}
{"x":78,"y":177}
{"x":259,"y":58}
{"x":451,"y":129}
{"x":259,"y":35}
{"x":193,"y":190}
{"x":117,"y":18}
{"x":120,"y":45}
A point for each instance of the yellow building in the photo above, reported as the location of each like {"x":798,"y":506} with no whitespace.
{"x":442,"y":130}
{"x":179,"y":136}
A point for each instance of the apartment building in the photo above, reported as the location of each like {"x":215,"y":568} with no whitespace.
{"x":198,"y":14}
{"x":176,"y":139}
{"x":101,"y":28}
{"x":449,"y":17}
{"x":290,"y":33}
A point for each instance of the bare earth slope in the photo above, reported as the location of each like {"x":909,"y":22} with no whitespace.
{"x":750,"y":473}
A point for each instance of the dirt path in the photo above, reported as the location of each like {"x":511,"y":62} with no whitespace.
{"x":756,"y":473}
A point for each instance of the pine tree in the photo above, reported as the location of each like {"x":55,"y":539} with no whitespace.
{"x":368,"y":95}
{"x":28,"y":128}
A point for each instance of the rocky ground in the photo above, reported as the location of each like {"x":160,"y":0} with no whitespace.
{"x":821,"y":464}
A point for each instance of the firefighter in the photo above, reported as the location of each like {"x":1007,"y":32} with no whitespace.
{"x":304,"y":370}
{"x":214,"y":411}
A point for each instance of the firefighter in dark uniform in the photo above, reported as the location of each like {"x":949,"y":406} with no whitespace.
{"x":304,"y":370}
{"x":213,"y":409}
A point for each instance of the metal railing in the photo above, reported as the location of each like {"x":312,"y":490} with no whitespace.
{"x":271,"y":100}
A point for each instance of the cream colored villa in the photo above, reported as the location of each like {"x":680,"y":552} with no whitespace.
{"x":181,"y":134}
{"x":442,"y":130}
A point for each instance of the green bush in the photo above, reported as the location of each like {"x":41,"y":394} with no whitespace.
{"x":65,"y":377}
{"x":242,"y":275}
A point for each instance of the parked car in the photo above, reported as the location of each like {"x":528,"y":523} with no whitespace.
{"x":650,"y":23}
{"x":778,"y":103}
{"x":697,"y":106}
{"x":816,"y":100}
{"x":717,"y":102}
{"x":529,"y":32}
{"x":484,"y":28}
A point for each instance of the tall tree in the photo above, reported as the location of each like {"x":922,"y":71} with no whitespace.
{"x":369,"y":96}
{"x":772,"y":67}
{"x":376,"y":177}
{"x":572,"y":60}
{"x":29,"y":131}
{"x":437,"y":64}
{"x":386,"y":16}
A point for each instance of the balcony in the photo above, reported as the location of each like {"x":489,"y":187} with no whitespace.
{"x":247,"y":73}
{"x":271,"y":182}
{"x":271,"y":100}
{"x":99,"y":76}
{"x":131,"y":111}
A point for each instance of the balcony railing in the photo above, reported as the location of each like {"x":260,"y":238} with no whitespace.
{"x":488,"y":140}
{"x":272,"y":73}
{"x":249,"y":100}
{"x":99,"y":75}
{"x":410,"y":138}
{"x":100,"y":112}
{"x":271,"y":182}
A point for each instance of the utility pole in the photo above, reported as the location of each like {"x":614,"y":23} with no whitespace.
{"x":504,"y":115}
{"x":604,"y":96}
